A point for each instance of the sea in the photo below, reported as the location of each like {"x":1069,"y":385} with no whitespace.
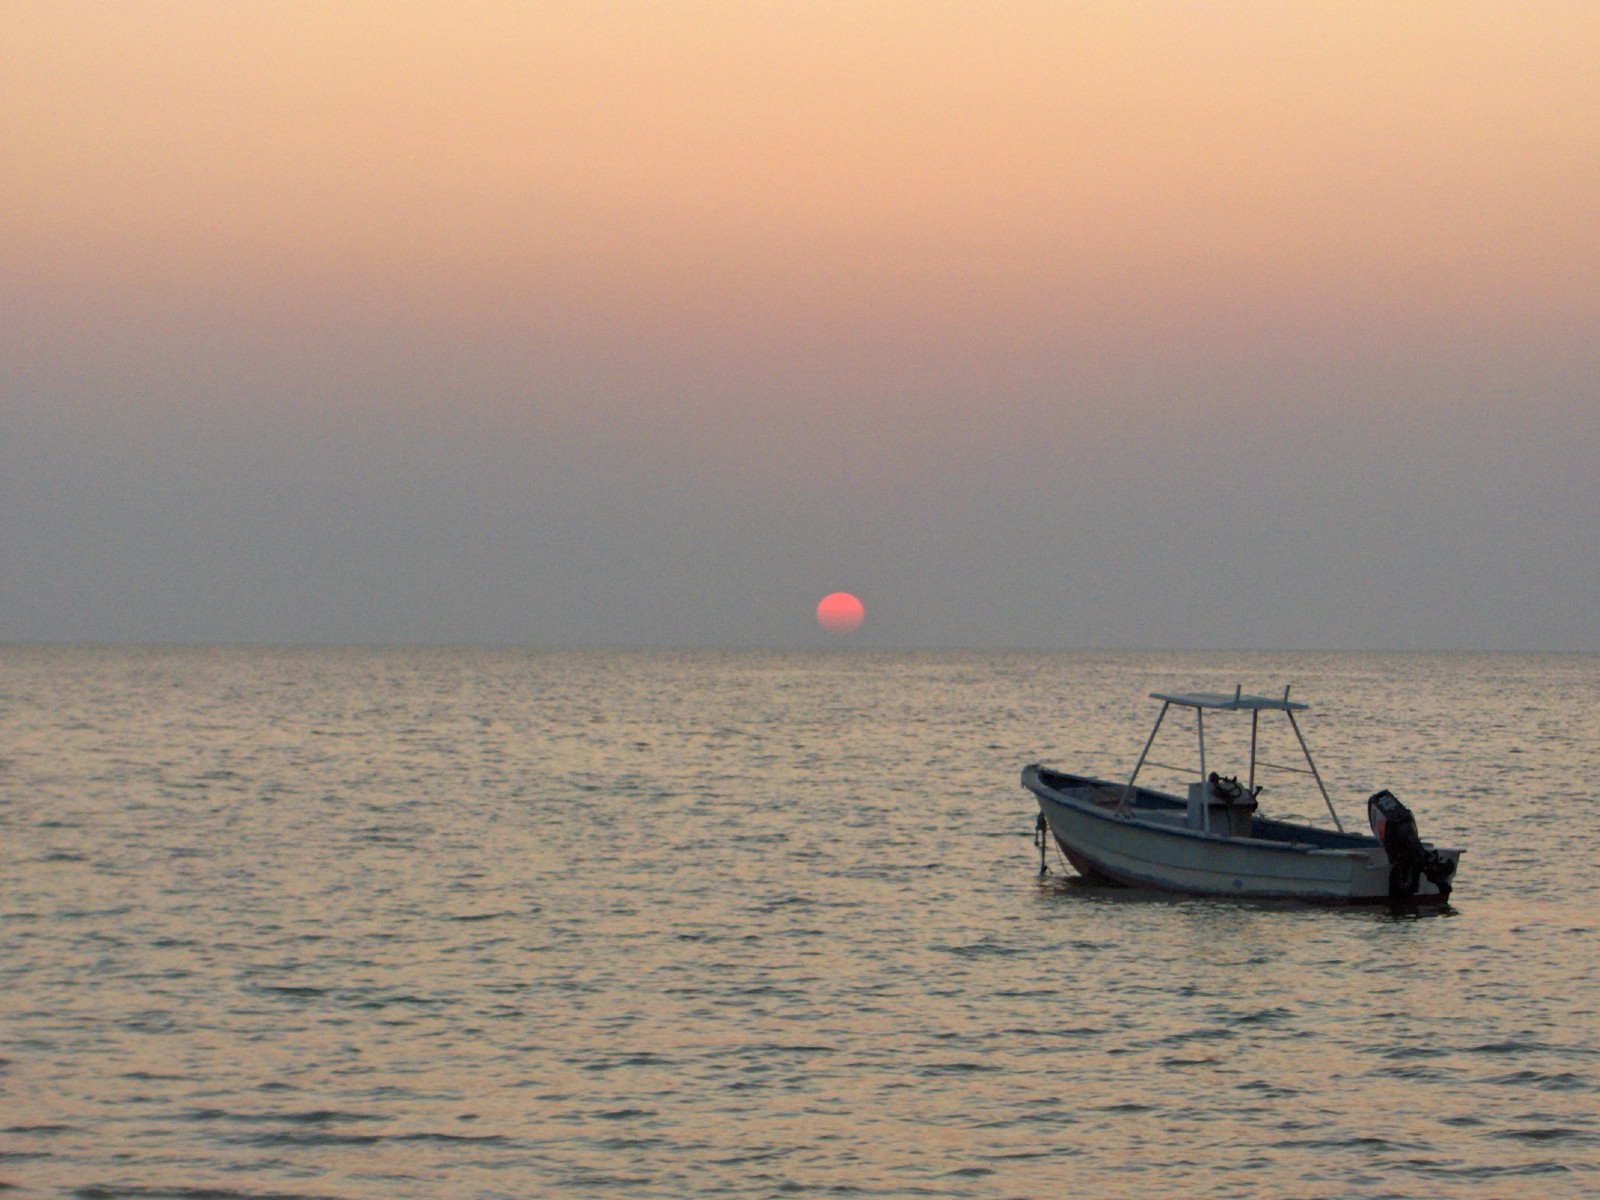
{"x":362,"y":923}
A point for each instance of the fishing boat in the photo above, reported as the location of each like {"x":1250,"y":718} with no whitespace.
{"x":1214,"y":839}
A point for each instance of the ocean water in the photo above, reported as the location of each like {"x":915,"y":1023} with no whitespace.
{"x":501,"y":923}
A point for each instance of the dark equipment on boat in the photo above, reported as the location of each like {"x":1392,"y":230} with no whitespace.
{"x":1409,"y":857}
{"x":1226,"y":787}
{"x":1233,"y":805}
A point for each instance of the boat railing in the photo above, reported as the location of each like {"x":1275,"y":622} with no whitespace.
{"x":1261,"y":762}
{"x":1150,"y":762}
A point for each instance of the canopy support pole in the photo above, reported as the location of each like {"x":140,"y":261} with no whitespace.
{"x":1306,"y":750}
{"x":1255,"y":721}
{"x":1127,"y":792}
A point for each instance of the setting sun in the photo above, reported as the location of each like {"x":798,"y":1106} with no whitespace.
{"x":840,"y":612}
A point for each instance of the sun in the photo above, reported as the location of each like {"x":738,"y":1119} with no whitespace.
{"x":840,"y":612}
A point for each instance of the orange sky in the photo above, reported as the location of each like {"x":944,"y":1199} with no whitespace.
{"x":983,"y":224}
{"x":796,"y":167}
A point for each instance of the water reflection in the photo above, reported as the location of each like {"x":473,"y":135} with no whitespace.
{"x":366,"y":923}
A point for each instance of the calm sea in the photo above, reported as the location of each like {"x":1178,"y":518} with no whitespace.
{"x":381,"y":923}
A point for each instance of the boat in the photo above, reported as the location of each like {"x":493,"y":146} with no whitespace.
{"x":1215,"y":841}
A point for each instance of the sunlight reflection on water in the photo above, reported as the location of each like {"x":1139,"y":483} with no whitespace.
{"x":376,"y":923}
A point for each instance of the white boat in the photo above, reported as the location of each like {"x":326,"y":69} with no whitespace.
{"x":1213,"y":841}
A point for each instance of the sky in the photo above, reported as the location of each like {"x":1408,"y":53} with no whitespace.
{"x":1034,"y":324}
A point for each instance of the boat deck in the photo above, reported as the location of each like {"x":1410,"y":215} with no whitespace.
{"x":1161,"y":808}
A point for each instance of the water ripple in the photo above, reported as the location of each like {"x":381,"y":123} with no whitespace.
{"x":359,"y":924}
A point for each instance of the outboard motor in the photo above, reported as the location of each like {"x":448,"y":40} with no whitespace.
{"x":1409,"y":859}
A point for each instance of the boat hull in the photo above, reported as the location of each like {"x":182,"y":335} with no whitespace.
{"x":1148,"y":844}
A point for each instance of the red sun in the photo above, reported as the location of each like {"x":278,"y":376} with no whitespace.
{"x":840,"y":612}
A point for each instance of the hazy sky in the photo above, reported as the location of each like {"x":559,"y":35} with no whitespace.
{"x":1031,"y":323}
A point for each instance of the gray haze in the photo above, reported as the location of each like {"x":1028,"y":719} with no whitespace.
{"x":1159,"y":325}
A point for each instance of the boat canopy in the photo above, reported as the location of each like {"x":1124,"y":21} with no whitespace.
{"x":1237,"y":701}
